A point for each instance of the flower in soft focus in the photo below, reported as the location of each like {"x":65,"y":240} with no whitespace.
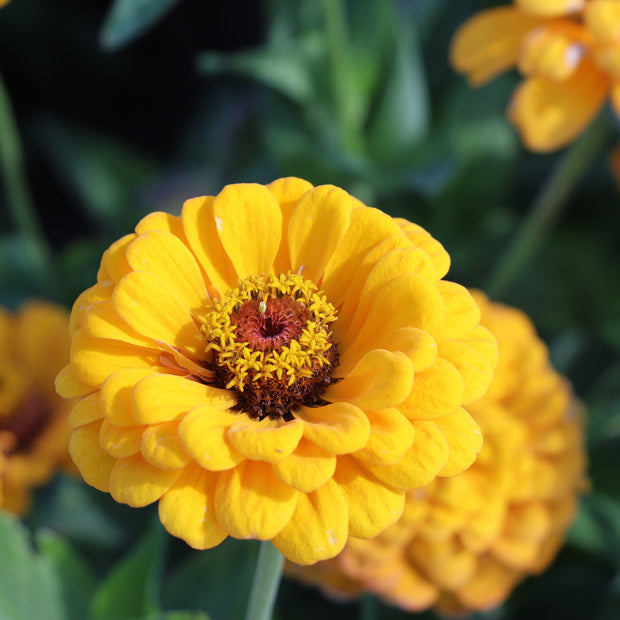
{"x":279,"y":362}
{"x":568,"y":52}
{"x":34,"y":433}
{"x":3,"y":2}
{"x":463,"y":543}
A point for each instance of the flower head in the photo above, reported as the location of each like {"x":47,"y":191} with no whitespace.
{"x":464,"y":542}
{"x":34,"y":434}
{"x":568,"y":51}
{"x":279,"y":362}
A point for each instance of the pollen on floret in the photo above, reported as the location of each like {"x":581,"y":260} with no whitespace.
{"x":270,"y":341}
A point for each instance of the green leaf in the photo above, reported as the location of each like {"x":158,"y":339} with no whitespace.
{"x":402,"y":114}
{"x":217,"y":580}
{"x":131,"y":590}
{"x":29,"y":586}
{"x":597,"y":527}
{"x":128,"y":19}
{"x":77,"y":581}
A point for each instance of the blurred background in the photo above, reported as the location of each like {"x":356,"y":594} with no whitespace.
{"x":123,"y":108}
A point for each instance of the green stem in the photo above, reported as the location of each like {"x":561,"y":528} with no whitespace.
{"x":547,"y":206}
{"x":12,"y":171}
{"x":266,"y":582}
{"x":369,"y":608}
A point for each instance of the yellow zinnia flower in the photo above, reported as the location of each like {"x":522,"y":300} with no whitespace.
{"x":464,"y":542}
{"x":34,"y":433}
{"x":279,"y":362}
{"x":568,"y":51}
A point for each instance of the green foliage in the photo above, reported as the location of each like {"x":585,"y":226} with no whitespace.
{"x":128,"y":19}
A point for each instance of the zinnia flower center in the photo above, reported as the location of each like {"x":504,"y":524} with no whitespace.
{"x":271,"y":343}
{"x":23,"y":413}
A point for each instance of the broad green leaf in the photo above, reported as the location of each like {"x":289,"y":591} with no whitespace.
{"x":77,"y":582}
{"x":132,"y":588}
{"x":402,"y":113}
{"x":29,"y":586}
{"x":128,"y":19}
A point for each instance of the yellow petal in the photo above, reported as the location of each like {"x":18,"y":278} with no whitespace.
{"x":462,"y":312}
{"x":201,"y":232}
{"x":119,"y":441}
{"x":490,"y":584}
{"x":95,"y":359}
{"x":464,"y":438}
{"x":91,"y":295}
{"x":368,"y":228}
{"x":393,"y":264}
{"x":515,"y":552}
{"x":135,"y":482}
{"x":475,"y":370}
{"x":602,"y":19}
{"x":484,"y":342}
{"x":101,"y":320}
{"x":419,"y":346}
{"x":437,"y":392}
{"x":69,"y":386}
{"x":420,"y":464}
{"x":391,"y":435}
{"x":265,"y":440}
{"x":249,"y":225}
{"x":373,"y":506}
{"x":86,"y":411}
{"x":338,"y":428}
{"x":148,"y":304}
{"x":307,"y":468}
{"x":425,"y":241}
{"x":160,"y":446}
{"x":550,"y":114}
{"x":114,"y":264}
{"x":167,"y":256}
{"x":162,"y":221}
{"x":407,"y":301}
{"x":287,"y":192}
{"x":164,"y":398}
{"x":550,"y":8}
{"x":487,"y":44}
{"x":349,"y":299}
{"x":318,"y":528}
{"x":115,"y":395}
{"x":324,"y":213}
{"x":380,"y":379}
{"x":187,"y":511}
{"x":94,"y":464}
{"x":251,"y":502}
{"x":203,"y":432}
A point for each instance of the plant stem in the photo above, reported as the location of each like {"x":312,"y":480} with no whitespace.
{"x":266,"y":582}
{"x":547,"y":206}
{"x":12,"y":170}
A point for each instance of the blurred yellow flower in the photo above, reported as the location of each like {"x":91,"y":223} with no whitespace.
{"x":250,"y":364}
{"x":464,"y":542}
{"x":568,"y":51}
{"x":34,"y":433}
{"x":3,"y":2}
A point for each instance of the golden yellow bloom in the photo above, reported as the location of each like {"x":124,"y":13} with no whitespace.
{"x":568,"y":51}
{"x":464,"y":542}
{"x":279,"y":362}
{"x":34,"y":433}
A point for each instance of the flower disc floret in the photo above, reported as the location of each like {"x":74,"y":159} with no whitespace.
{"x":278,"y":362}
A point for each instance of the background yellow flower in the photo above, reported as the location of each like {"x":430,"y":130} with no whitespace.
{"x":568,"y":52}
{"x":279,"y":362}
{"x":464,"y":542}
{"x":34,"y":432}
